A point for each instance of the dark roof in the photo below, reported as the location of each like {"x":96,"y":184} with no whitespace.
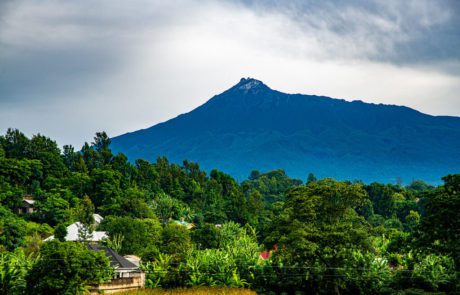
{"x":116,"y":260}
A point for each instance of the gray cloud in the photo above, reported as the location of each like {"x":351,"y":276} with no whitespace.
{"x":71,"y":68}
{"x":393,"y":31}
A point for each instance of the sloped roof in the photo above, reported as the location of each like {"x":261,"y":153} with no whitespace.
{"x":265,"y":255}
{"x":134,"y":259}
{"x":188,"y":225}
{"x":116,"y":260}
{"x":30,"y":202}
{"x":98,"y":218}
{"x":72,"y":232}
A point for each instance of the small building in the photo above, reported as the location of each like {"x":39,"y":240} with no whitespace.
{"x":127,"y":276}
{"x":73,"y":229}
{"x":266,"y":254}
{"x":184,"y":223}
{"x":134,"y":259}
{"x":27,"y":206}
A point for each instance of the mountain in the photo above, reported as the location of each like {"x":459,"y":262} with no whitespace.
{"x":251,"y":126}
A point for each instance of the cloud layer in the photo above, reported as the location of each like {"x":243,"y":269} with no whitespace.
{"x":71,"y":68}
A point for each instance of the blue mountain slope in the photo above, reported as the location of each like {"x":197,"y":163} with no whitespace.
{"x":251,"y":126}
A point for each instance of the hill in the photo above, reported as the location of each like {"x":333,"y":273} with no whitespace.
{"x":251,"y":126}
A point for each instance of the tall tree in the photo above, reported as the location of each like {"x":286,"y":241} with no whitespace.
{"x":440,"y":223}
{"x":15,"y":144}
{"x":311,"y":178}
{"x":319,"y":228}
{"x":47,"y":151}
{"x":60,"y":232}
{"x":86,"y":219}
{"x":102,"y":146}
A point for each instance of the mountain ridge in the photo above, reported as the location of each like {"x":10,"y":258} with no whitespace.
{"x":250,"y":126}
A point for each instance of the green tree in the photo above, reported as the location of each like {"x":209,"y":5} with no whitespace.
{"x":382,"y":198}
{"x":213,"y":267}
{"x":67,"y":268}
{"x":136,"y":208}
{"x":90,"y":159}
{"x":78,"y":183}
{"x":102,"y":145}
{"x":412,"y":220}
{"x":440,"y":225}
{"x":273,"y":185}
{"x":205,"y":236}
{"x":60,"y":232}
{"x":21,"y":173}
{"x":419,"y":186}
{"x":105,"y":187}
{"x":15,"y":144}
{"x":13,"y":270}
{"x":86,"y":219}
{"x":139,"y":235}
{"x":167,"y":208}
{"x":53,"y":210}
{"x":115,"y":242}
{"x":176,"y":241}
{"x":318,"y":229}
{"x":12,"y":232}
{"x":70,"y":157}
{"x":311,"y":178}
{"x":47,"y":152}
{"x":147,"y":176}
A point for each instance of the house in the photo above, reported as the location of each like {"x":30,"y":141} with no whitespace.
{"x":134,"y":259}
{"x":182,"y":222}
{"x":266,"y":254}
{"x":123,"y":267}
{"x":127,"y":276}
{"x":73,"y":229}
{"x":27,"y":206}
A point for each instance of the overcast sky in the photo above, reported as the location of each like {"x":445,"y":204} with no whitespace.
{"x":71,"y":68}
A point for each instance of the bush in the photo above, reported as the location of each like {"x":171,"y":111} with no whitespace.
{"x":176,"y":241}
{"x":67,"y":268}
{"x":436,"y":271}
{"x":163,"y":272}
{"x":13,"y":270}
{"x":429,"y":273}
{"x":213,"y":267}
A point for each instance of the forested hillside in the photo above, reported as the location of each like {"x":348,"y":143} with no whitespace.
{"x":194,"y":228}
{"x":251,"y":126}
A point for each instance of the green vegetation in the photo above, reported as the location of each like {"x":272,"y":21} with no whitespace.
{"x":66,"y":268}
{"x":194,"y":291}
{"x":196,"y":229}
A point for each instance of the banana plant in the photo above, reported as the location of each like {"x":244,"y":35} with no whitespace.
{"x":435,"y":270}
{"x":157,"y":270}
{"x":13,"y":269}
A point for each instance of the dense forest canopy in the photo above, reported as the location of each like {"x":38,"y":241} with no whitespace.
{"x":322,"y":235}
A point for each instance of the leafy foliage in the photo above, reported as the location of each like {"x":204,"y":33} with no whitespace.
{"x":194,"y":228}
{"x":67,"y":268}
{"x":138,"y":234}
{"x":13,"y":270}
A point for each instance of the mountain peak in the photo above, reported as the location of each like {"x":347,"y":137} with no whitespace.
{"x":250,"y":85}
{"x":251,"y":126}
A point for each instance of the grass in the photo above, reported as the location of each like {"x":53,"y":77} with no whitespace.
{"x":194,"y":291}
